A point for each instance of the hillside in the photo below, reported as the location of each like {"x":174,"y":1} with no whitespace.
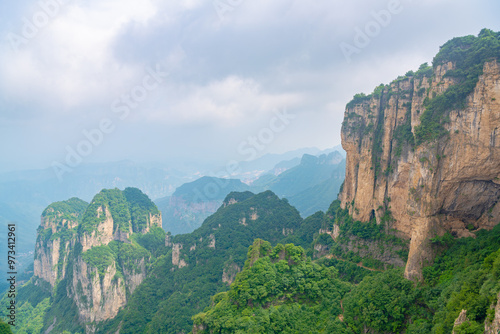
{"x":280,"y":290}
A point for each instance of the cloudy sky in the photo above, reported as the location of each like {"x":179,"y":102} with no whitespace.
{"x":204,"y":80}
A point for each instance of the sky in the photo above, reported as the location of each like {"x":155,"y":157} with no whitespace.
{"x":205,"y":81}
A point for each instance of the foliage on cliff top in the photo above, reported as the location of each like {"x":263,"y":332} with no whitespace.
{"x":128,"y":208}
{"x":70,"y":210}
{"x":469,"y":54}
{"x":71,"y":207}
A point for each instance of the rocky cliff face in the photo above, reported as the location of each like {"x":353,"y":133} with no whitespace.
{"x":56,"y":239}
{"x":430,"y":184}
{"x":98,"y":297}
{"x":493,"y":327}
{"x":90,"y":246}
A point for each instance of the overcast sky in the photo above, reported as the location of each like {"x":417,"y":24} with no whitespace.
{"x":188,"y":79}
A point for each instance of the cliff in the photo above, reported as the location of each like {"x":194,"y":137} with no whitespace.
{"x":426,"y":148}
{"x":94,"y":249}
{"x":56,"y":236}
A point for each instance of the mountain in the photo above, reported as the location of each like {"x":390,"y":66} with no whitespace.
{"x":309,"y":186}
{"x":251,"y":170}
{"x":319,"y":196}
{"x":311,"y":171}
{"x":89,"y":258}
{"x":429,"y":145}
{"x":191,"y":203}
{"x":25,"y":194}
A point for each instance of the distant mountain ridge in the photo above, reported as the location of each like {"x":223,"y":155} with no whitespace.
{"x":191,"y":203}
{"x":310,"y":185}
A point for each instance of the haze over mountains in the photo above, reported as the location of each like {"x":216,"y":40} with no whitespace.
{"x":307,"y":182}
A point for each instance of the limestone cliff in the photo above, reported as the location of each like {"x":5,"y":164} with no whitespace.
{"x":91,"y":247}
{"x":426,"y":149}
{"x":56,"y":238}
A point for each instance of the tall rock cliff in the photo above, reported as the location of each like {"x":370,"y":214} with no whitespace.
{"x":427,"y":148}
{"x":94,"y":249}
{"x":56,"y":236}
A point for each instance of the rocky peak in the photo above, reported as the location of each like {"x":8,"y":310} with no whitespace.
{"x":95,"y":240}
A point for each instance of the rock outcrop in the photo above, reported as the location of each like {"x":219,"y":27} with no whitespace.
{"x":447,"y":183}
{"x":89,"y":245}
{"x":55,"y":239}
{"x":98,"y":297}
{"x":462,"y":317}
{"x":229,"y":273}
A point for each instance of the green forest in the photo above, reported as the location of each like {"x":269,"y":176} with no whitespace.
{"x":281,"y":290}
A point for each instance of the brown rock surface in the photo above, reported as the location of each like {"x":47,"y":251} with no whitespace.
{"x":452,"y":184}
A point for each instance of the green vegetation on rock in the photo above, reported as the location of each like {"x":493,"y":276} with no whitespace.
{"x":130,"y":210}
{"x":469,"y":54}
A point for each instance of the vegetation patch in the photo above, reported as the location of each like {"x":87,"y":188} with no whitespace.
{"x":469,"y":54}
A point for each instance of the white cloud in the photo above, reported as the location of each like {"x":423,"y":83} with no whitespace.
{"x":70,"y":61}
{"x":226,"y":77}
{"x":232,"y":101}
